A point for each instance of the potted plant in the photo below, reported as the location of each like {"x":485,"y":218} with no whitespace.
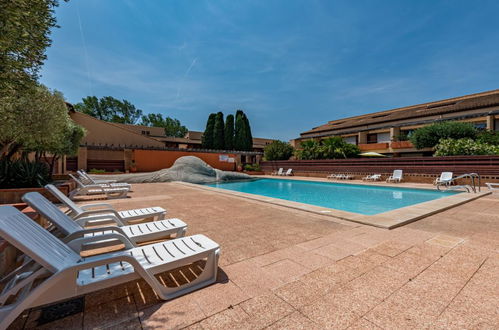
{"x":133,"y":166}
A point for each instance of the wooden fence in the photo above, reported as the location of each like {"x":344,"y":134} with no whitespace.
{"x":483,"y":165}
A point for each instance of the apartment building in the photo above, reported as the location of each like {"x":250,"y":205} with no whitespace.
{"x":386,"y":132}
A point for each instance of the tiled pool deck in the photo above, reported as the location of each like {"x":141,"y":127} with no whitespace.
{"x":284,"y":268}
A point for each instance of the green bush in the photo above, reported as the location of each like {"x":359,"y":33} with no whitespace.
{"x":278,"y":150}
{"x":429,"y":136}
{"x":23,"y":174}
{"x":451,"y":147}
{"x":96,"y":171}
{"x":489,"y":137}
{"x":330,"y":148}
{"x":252,"y":167}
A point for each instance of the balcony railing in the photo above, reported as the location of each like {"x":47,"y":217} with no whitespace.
{"x":373,"y":146}
{"x":401,"y":145}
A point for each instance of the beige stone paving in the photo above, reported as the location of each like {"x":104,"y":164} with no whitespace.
{"x":282,"y":268}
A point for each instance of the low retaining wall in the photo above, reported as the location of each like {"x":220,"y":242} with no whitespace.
{"x":154,"y":160}
{"x":416,"y":169}
{"x":13,"y":196}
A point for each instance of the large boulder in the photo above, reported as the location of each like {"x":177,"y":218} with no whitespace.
{"x":188,"y":169}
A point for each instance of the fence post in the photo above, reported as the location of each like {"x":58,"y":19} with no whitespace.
{"x":82,"y":159}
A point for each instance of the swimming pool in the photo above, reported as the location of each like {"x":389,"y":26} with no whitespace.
{"x":356,"y":198}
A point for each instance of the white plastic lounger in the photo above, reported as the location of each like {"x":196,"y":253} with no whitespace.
{"x":75,"y":229}
{"x":333,"y":176}
{"x":444,"y":178}
{"x":395,"y":177}
{"x":87,"y":179}
{"x":96,"y":189}
{"x":279,"y":172}
{"x":65,"y":274}
{"x":100,"y":210}
{"x":289,"y":172}
{"x":374,"y":177}
{"x":493,"y":186}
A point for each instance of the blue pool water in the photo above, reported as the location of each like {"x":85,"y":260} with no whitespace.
{"x":357,"y":198}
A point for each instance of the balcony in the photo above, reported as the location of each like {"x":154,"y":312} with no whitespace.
{"x":401,"y":145}
{"x":373,"y":146}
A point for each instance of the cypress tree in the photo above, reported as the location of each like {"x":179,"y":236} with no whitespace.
{"x":208,"y":132}
{"x":238,"y":132}
{"x":229,"y":132}
{"x":218,"y":132}
{"x":248,"y":137}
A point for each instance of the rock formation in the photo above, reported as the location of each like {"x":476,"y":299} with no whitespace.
{"x":188,"y":169}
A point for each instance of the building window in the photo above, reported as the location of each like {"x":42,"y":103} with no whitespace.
{"x":372,"y":138}
{"x":146,"y":132}
{"x":383,"y":137}
{"x":481,"y":126}
{"x":351,"y":139}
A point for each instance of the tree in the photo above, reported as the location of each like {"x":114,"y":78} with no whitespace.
{"x":429,"y":136}
{"x":248,"y":137}
{"x":34,"y":122}
{"x":209,"y":132}
{"x":172,"y":126}
{"x":243,"y":139}
{"x":25,"y":34}
{"x":229,"y":132}
{"x":239,"y":131}
{"x":110,"y":109}
{"x":218,"y":132}
{"x":278,"y":150}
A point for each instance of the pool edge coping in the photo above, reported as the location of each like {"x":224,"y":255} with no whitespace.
{"x":387,"y":220}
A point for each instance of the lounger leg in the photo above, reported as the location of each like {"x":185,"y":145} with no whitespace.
{"x":207,"y":277}
{"x":9,"y":313}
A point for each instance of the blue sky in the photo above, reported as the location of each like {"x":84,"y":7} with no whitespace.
{"x":291,"y":65}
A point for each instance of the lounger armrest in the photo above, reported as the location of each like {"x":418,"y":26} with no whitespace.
{"x":86,"y":213}
{"x":89,"y":206}
{"x":107,"y":260}
{"x":86,"y":220}
{"x":78,"y":243}
{"x":81,"y":233}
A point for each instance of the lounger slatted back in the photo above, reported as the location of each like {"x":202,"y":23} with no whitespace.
{"x":35,"y":241}
{"x":152,"y":213}
{"x":51,"y":212}
{"x":64,"y":199}
{"x":96,"y":189}
{"x":446,"y":176}
{"x":134,"y":233}
{"x":65,"y":274}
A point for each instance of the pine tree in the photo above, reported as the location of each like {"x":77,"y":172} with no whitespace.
{"x":238,"y":132}
{"x":218,"y":132}
{"x":229,"y":132}
{"x":208,"y":132}
{"x":248,"y":137}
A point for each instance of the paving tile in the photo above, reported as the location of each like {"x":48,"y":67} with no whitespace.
{"x":231,"y":318}
{"x":267,"y":309}
{"x":402,"y":311}
{"x":218,"y":297}
{"x":131,"y":324}
{"x":298,"y":293}
{"x":110,"y":313}
{"x":329,"y":314}
{"x":333,"y":252}
{"x":364,"y":324}
{"x":286,"y":270}
{"x":382,"y":281}
{"x":312,"y":260}
{"x":294,"y":321}
{"x":409,"y":263}
{"x":177,"y":313}
{"x":445,"y":240}
{"x":391,"y":248}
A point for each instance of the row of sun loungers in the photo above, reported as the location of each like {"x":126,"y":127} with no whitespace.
{"x":86,"y":185}
{"x":281,"y":172}
{"x":53,"y":261}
